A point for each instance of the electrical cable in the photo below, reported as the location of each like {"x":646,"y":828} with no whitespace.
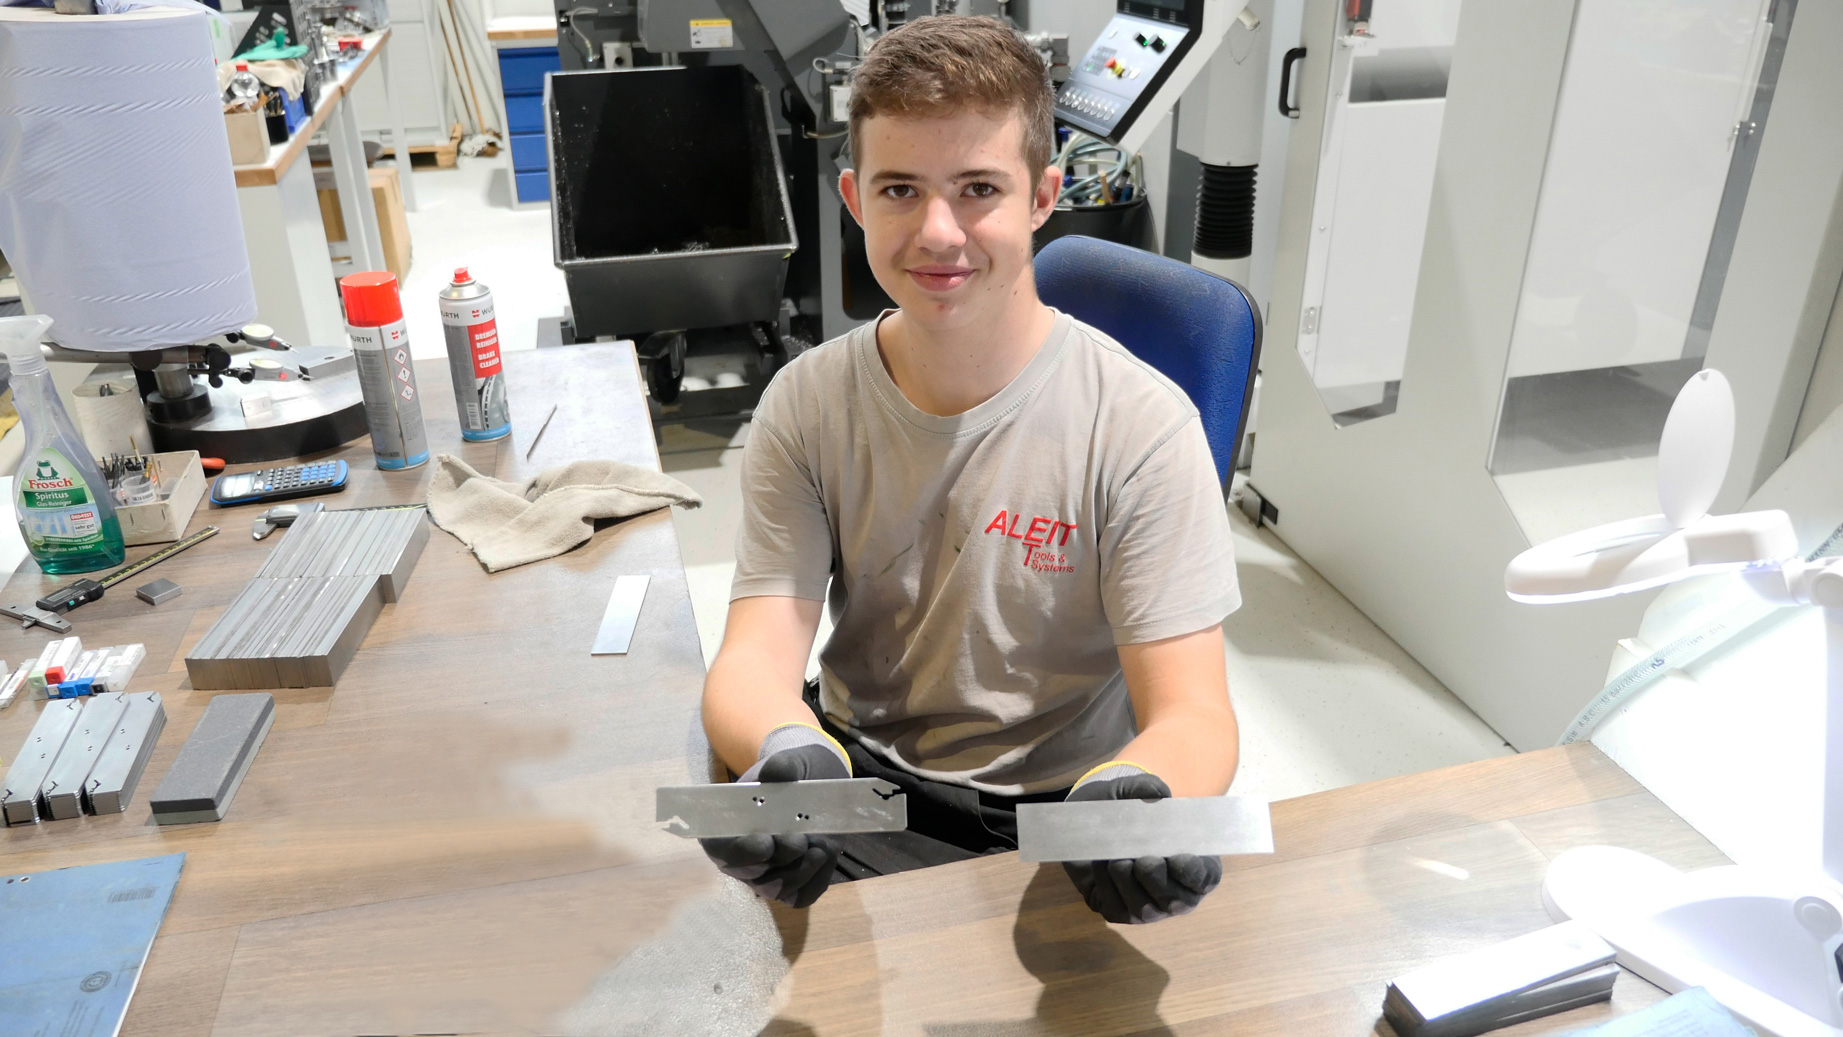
{"x":1751,"y":618}
{"x":588,"y":45}
{"x":1099,"y":184}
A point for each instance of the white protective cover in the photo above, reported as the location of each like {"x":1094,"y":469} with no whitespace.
{"x":1693,"y":453}
{"x":118,"y":207}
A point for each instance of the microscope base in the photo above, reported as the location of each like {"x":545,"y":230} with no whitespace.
{"x":1761,"y":942}
{"x":304,"y":417}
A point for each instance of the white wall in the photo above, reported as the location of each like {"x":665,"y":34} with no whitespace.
{"x":1825,"y":394}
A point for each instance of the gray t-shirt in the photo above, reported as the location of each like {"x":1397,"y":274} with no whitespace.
{"x":985,"y":566}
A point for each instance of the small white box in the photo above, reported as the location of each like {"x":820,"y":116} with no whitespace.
{"x":164,"y":521}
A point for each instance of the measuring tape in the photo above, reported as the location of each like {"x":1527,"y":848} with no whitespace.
{"x":1684,"y":651}
{"x":82,"y":591}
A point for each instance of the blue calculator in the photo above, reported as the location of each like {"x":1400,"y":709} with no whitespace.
{"x":273,"y":484}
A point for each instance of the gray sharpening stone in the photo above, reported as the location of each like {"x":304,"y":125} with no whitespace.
{"x":62,"y":792}
{"x":112,"y":781}
{"x":205,"y":775}
{"x":158,"y":591}
{"x":19,"y":790}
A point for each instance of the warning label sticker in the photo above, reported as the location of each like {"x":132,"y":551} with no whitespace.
{"x":712,"y":34}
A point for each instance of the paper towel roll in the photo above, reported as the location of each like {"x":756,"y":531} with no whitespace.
{"x":118,"y":207}
{"x":112,"y":424}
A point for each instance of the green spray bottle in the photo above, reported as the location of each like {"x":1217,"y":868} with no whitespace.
{"x":66,"y":513}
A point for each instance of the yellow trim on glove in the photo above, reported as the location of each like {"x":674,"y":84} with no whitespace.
{"x":1101,"y":767}
{"x":842,"y":754}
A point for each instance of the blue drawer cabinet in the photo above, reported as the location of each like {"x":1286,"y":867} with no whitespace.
{"x":521,"y":69}
{"x":521,"y":72}
{"x":525,"y":113}
{"x":528,"y":153}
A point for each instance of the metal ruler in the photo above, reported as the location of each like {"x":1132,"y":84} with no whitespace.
{"x":622,"y":615}
{"x":74,"y":594}
{"x":1124,"y":829}
{"x":826,"y":806}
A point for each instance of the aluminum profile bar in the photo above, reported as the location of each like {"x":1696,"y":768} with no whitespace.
{"x":124,"y":758}
{"x":61,"y":793}
{"x":19,"y":790}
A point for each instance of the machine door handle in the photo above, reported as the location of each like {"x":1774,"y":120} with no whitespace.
{"x":1286,"y":80}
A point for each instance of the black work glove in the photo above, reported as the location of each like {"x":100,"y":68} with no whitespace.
{"x":1147,"y":889}
{"x":793,"y":869}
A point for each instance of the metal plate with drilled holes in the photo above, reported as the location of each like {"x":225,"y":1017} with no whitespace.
{"x":831,"y":806}
{"x":1115,"y":829}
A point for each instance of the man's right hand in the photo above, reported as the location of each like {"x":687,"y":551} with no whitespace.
{"x":793,"y":869}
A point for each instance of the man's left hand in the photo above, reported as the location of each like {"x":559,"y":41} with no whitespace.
{"x":1147,"y":889}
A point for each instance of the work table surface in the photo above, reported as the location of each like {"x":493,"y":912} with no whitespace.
{"x":459,"y":837}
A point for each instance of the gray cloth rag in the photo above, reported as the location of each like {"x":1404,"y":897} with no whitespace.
{"x":508,"y":524}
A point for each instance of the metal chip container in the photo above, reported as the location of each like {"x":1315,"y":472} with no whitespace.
{"x":654,"y":222}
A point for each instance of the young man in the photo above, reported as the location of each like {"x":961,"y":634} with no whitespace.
{"x":1027,"y":550}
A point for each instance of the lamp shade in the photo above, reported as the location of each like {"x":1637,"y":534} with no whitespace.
{"x":118,"y":207}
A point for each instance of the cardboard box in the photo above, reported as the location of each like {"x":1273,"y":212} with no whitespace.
{"x":249,"y":138}
{"x":387,"y":197}
{"x":164,"y":521}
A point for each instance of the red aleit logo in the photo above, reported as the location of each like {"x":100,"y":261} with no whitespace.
{"x":1043,"y":538}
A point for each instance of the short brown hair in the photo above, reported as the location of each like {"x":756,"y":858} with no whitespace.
{"x":945,"y":63}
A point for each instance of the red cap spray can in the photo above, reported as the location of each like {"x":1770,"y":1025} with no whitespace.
{"x":381,"y":347}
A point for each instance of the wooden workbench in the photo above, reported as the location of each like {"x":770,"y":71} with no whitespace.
{"x":458,"y":837}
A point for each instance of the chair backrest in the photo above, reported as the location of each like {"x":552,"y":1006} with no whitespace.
{"x":1199,"y":330}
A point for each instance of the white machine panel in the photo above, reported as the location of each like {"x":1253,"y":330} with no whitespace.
{"x":1134,"y":56}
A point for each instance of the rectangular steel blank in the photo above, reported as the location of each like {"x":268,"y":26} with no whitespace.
{"x":831,"y":806}
{"x":1117,"y":829}
{"x":622,"y":615}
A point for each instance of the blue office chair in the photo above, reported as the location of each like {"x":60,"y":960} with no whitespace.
{"x":1199,"y":330}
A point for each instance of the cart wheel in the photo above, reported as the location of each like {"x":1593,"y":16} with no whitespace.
{"x":665,"y":368}
{"x":663,"y":381}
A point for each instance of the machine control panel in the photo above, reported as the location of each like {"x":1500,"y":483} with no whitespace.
{"x":1132,"y":58}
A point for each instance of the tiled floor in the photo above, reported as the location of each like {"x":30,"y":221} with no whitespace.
{"x":1324,"y":697}
{"x":464,"y":218}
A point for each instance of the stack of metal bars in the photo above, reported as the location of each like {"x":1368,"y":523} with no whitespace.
{"x":301,"y":619}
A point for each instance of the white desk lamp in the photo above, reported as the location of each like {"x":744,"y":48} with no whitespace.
{"x":1766,"y":942}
